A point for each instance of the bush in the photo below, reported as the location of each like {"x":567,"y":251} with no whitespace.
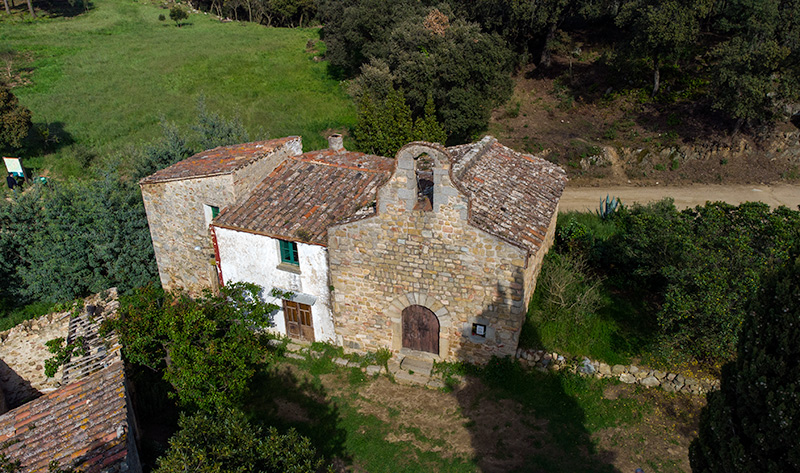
{"x":224,"y":441}
{"x":751,"y":424}
{"x":566,"y":290}
{"x":704,"y":263}
{"x":15,"y":120}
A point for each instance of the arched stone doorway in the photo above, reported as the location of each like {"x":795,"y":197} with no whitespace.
{"x":420,"y":329}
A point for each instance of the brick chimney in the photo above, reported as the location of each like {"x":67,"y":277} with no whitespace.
{"x":336,"y":143}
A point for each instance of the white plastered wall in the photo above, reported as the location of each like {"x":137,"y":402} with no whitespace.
{"x":247,"y":257}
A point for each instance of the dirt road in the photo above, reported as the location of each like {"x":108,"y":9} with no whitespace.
{"x":588,"y":198}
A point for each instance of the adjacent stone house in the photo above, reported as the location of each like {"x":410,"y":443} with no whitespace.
{"x":434,"y":253}
{"x":83,"y":416}
{"x":182,"y":199}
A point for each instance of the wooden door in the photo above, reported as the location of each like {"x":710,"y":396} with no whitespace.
{"x":420,"y":329}
{"x":299,"y":323}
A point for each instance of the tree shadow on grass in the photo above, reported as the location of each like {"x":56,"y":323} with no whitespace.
{"x":555,"y":437}
{"x":524,"y":420}
{"x":280,"y":399}
{"x":46,"y":137}
{"x":66,"y":8}
{"x":795,"y":120}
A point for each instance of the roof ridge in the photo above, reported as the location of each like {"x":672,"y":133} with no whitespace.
{"x":337,"y":165}
{"x":479,"y":149}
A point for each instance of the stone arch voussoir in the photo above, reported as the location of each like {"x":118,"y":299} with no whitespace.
{"x":395,"y":314}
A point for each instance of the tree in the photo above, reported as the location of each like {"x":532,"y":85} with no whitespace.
{"x":207,"y":347}
{"x":67,"y":239}
{"x":213,"y":130}
{"x":466,"y":71}
{"x":15,"y":120}
{"x":177,"y":14}
{"x":660,"y":31}
{"x":757,"y":69}
{"x":751,"y":423}
{"x":745,"y":79}
{"x":223,"y":441}
{"x":386,"y":126}
{"x":356,"y":31}
{"x":427,"y":127}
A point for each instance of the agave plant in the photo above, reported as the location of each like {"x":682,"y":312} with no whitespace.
{"x":608,"y":207}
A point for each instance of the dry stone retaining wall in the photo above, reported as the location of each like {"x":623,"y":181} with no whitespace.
{"x":23,"y":349}
{"x":630,"y":374}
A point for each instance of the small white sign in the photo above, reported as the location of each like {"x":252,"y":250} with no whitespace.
{"x":14,"y":166}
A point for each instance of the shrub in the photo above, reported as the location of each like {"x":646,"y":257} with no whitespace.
{"x":704,"y":263}
{"x":224,"y":441}
{"x":566,"y":290}
{"x":15,"y":119}
{"x":751,"y":424}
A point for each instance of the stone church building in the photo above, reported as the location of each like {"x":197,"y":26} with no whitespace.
{"x":433,"y":253}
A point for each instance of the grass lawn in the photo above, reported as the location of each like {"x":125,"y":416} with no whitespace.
{"x":499,"y":419}
{"x":103,"y":80}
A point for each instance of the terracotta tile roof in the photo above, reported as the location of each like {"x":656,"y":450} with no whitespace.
{"x":84,"y":423}
{"x":306,"y":194}
{"x":512,"y":195}
{"x":220,"y":160}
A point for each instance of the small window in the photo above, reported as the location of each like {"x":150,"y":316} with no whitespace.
{"x":211,"y":213}
{"x":289,"y":252}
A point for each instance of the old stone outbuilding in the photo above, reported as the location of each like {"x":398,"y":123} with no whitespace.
{"x":434,"y":253}
{"x":80,"y":418}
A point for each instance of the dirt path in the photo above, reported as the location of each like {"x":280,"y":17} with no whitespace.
{"x":588,"y":198}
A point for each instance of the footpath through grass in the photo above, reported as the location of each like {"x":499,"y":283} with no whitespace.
{"x":102,"y":81}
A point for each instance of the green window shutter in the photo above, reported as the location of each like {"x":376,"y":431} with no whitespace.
{"x":214,"y":211}
{"x":289,"y":252}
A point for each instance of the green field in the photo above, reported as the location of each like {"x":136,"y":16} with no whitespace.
{"x":104,"y":80}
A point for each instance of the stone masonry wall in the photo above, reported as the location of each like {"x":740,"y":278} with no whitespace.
{"x":401,"y":256}
{"x":248,"y":177}
{"x":23,"y":351}
{"x":535,"y":261}
{"x":178,"y":225}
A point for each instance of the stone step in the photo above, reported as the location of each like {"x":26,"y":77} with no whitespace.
{"x":404,"y":377}
{"x":292,"y":346}
{"x":393,"y":365}
{"x":418,"y":366}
